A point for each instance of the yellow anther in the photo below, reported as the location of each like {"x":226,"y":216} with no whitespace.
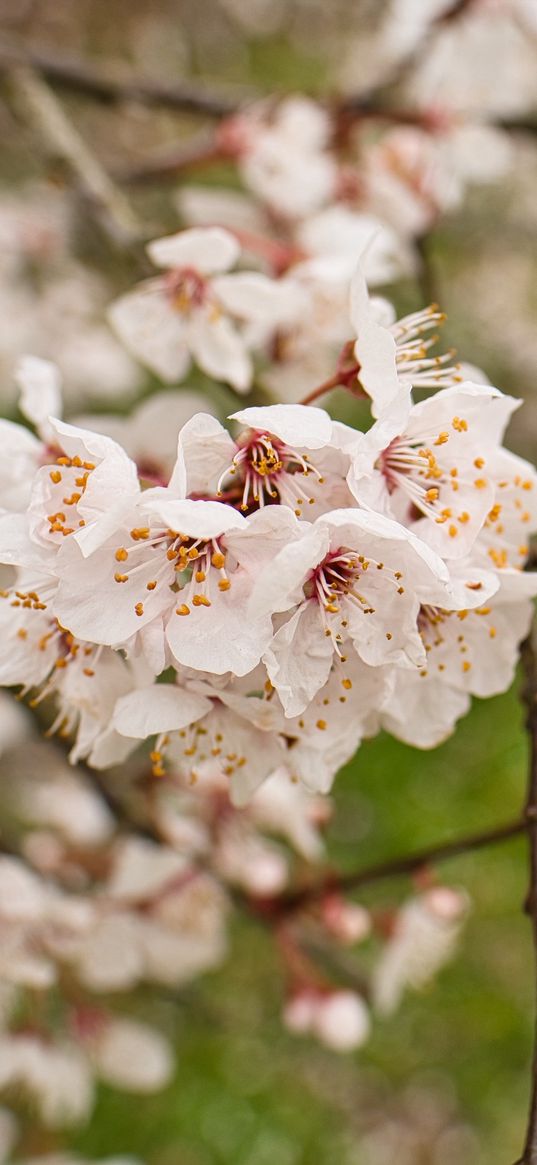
{"x":182,"y":610}
{"x":55,"y":476}
{"x":321,"y":724}
{"x":139,"y":609}
{"x":201,"y":601}
{"x":480,"y":483}
{"x":218,"y":559}
{"x":121,"y":578}
{"x":121,"y":554}
{"x":224,"y":584}
{"x":150,"y":586}
{"x":459,"y":424}
{"x":442,"y":438}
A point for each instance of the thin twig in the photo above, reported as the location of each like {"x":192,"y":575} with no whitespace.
{"x":108,"y":83}
{"x":57,"y":136}
{"x":529,"y":661}
{"x":394,"y":867}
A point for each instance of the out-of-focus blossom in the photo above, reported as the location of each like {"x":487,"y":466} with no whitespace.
{"x":196,"y":310}
{"x":425,"y":935}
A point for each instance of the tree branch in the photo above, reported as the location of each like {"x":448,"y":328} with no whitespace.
{"x":529,"y":662}
{"x":109,"y":84}
{"x":58,"y":138}
{"x":406,"y":864}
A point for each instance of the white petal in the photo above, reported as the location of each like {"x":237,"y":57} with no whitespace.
{"x":299,"y":659}
{"x":255,"y":297}
{"x":205,"y":249}
{"x":219,"y":350}
{"x":161,"y":708}
{"x":153,"y":330}
{"x":39,"y":383}
{"x":204,"y":450}
{"x":299,"y":426}
{"x":223,"y":637}
{"x":198,"y":519}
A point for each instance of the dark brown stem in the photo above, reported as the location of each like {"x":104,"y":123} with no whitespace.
{"x":407,"y":864}
{"x":529,"y":662}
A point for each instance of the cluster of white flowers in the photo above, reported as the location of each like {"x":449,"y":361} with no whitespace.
{"x":307,"y":583}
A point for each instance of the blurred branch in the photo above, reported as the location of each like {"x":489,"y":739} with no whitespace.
{"x":203,"y":149}
{"x":58,"y":138}
{"x":407,"y":864}
{"x":109,"y":84}
{"x":456,"y":10}
{"x":426,"y":275}
{"x":516,"y":125}
{"x":529,"y":662}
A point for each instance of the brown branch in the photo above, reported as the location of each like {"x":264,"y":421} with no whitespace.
{"x":109,"y":84}
{"x":529,"y":662}
{"x":394,"y":867}
{"x":203,"y":149}
{"x":56,"y":136}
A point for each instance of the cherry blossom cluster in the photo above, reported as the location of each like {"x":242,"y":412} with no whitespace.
{"x":292,"y":585}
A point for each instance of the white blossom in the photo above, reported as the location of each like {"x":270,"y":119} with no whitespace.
{"x":196,"y":310}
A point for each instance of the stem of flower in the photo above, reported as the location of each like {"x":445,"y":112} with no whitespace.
{"x":344,"y":377}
